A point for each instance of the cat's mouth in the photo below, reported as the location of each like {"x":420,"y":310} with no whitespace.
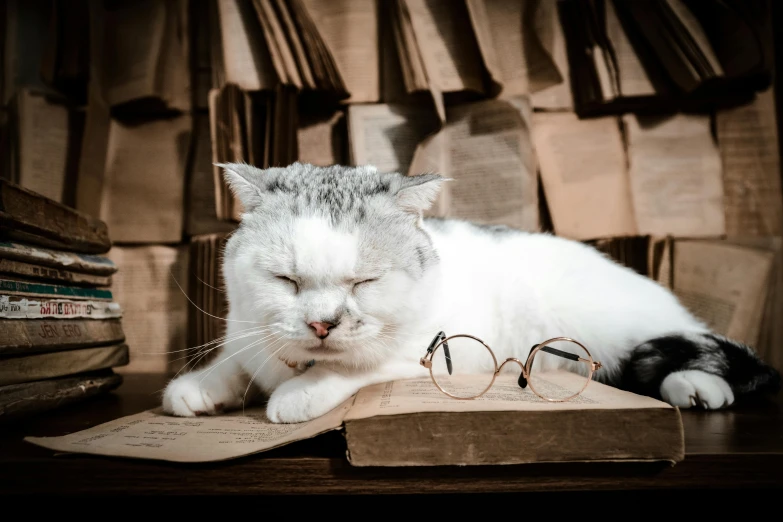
{"x":323,"y":349}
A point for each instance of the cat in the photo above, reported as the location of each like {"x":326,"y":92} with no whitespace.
{"x":335,"y":281}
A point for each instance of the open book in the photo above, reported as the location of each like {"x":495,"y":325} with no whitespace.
{"x":410,"y":423}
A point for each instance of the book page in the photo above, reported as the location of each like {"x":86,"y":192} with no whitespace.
{"x":447,"y":44}
{"x":245,"y":62}
{"x":491,"y":160}
{"x":582,"y":164}
{"x":723,"y":284}
{"x":134,"y":37}
{"x":321,"y":140}
{"x":43,"y":145}
{"x":484,"y":31}
{"x":154,"y":308}
{"x":152,"y":154}
{"x":748,"y":143}
{"x":350,"y":30}
{"x":421,"y":395}
{"x":154,"y":435}
{"x":386,"y":136}
{"x":676,"y":176}
{"x":549,"y":34}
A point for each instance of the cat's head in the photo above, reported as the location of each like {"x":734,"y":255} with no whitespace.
{"x":334,"y":258}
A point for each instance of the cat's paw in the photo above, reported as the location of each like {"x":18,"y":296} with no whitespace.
{"x":298,"y":401}
{"x":186,"y":396}
{"x":696,"y":388}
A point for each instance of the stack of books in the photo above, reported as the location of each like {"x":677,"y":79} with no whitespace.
{"x":60,"y":330}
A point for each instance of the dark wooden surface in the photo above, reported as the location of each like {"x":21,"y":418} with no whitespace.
{"x":737,"y":448}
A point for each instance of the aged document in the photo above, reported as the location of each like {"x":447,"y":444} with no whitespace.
{"x":154,"y":435}
{"x":583,"y":169}
{"x":421,"y":395}
{"x":675,"y":175}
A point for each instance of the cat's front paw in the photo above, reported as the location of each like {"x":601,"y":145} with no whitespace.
{"x":186,"y":396}
{"x":299,"y":401}
{"x":696,"y":388}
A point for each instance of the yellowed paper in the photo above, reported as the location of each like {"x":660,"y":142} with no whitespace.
{"x":723,"y":284}
{"x":350,"y":30}
{"x":154,"y":308}
{"x":43,"y":144}
{"x":748,"y":142}
{"x":550,"y":36}
{"x":154,"y":435}
{"x":491,"y":160}
{"x":675,"y":175}
{"x":386,"y":136}
{"x":321,"y":141}
{"x":145,"y":176}
{"x":421,"y":395}
{"x":582,"y":164}
{"x":246,"y":62}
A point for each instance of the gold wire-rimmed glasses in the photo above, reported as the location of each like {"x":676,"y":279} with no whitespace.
{"x":558,"y":353}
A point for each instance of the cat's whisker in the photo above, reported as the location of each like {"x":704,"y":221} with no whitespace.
{"x":226,"y":338}
{"x":203,"y":311}
{"x":252,"y":378}
{"x":251,"y":345}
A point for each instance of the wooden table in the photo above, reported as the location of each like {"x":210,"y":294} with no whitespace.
{"x":740,"y":448}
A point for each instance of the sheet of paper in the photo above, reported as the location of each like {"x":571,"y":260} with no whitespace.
{"x":447,"y":44}
{"x":491,"y":160}
{"x":43,"y":135}
{"x":549,"y":34}
{"x":421,"y":395}
{"x":583,"y":169}
{"x":386,"y":136}
{"x":723,"y":284}
{"x":748,"y":142}
{"x":154,"y":307}
{"x":141,"y":157}
{"x":676,"y":176}
{"x":154,"y":435}
{"x":245,"y":62}
{"x":350,"y":30}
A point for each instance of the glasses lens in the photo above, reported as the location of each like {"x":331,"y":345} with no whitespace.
{"x":559,"y":370}
{"x":463,"y":367}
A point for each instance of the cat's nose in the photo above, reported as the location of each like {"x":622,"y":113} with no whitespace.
{"x":321,"y":329}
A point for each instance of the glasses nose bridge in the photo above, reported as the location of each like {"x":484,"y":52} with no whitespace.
{"x":513,"y":359}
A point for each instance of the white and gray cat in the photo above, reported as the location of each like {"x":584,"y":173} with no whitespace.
{"x":336,"y":265}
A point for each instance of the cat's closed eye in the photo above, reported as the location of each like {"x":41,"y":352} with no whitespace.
{"x":363,"y":282}
{"x":289,"y":281}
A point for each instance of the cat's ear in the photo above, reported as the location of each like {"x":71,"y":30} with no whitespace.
{"x":417,"y":193}
{"x":245,"y":182}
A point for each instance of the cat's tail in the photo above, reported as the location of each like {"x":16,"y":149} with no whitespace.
{"x":681,"y":369}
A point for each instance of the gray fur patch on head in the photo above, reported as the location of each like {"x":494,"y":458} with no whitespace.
{"x":383,"y":209}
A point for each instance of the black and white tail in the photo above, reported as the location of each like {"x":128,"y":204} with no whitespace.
{"x":704,"y":370}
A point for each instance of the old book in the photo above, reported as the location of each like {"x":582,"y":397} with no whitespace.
{"x":49,"y":335}
{"x":151,"y":285}
{"x":667,"y":182}
{"x":36,"y":367}
{"x":31,"y":271}
{"x":17,"y":400}
{"x":748,"y":143}
{"x":207,"y":291}
{"x":31,"y":307}
{"x":322,"y":138}
{"x":549,"y":34}
{"x":38,"y":289}
{"x":349,"y":29}
{"x":410,"y":423}
{"x":486,"y":149}
{"x":31,"y":218}
{"x":724,"y":285}
{"x":24,"y":34}
{"x":73,"y":261}
{"x":150,"y":154}
{"x":152,"y":75}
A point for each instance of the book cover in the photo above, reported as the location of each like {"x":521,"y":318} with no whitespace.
{"x":23,"y":307}
{"x":23,"y":336}
{"x":35,"y":289}
{"x":408,"y":422}
{"x":73,"y":261}
{"x":22,"y":270}
{"x":29,"y":368}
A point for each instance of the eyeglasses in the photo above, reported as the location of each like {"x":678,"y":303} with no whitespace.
{"x":445,"y":355}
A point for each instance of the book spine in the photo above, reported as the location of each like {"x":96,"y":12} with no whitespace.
{"x":12,"y":287}
{"x":47,"y":273}
{"x":44,"y":335}
{"x":85,"y":263}
{"x":33,"y":215}
{"x":17,"y":400}
{"x":21,"y":307}
{"x":28,"y":368}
